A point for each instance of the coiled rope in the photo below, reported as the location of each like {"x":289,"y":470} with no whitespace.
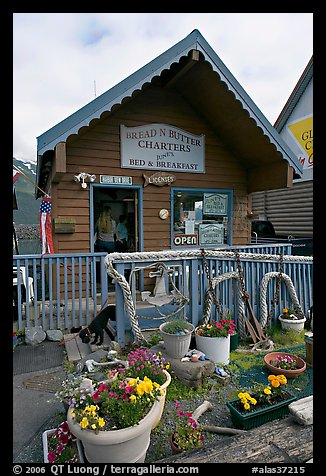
{"x":168,"y":255}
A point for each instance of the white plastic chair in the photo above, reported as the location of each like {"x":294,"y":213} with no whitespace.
{"x":23,"y":281}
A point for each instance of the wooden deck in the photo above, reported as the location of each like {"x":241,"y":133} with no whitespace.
{"x":76,"y":350}
{"x":280,"y":441}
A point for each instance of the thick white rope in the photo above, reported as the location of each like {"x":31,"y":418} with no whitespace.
{"x":172,"y":254}
{"x":184,"y":254}
{"x":241,"y":308}
{"x":263,"y":293}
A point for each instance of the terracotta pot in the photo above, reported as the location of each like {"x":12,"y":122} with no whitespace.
{"x":269,"y":358}
{"x":174,"y":447}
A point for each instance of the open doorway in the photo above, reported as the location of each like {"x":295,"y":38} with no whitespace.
{"x":123,"y":203}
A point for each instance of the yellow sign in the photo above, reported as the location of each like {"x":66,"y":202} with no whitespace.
{"x":302,"y":132}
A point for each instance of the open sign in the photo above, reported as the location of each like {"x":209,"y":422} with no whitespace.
{"x":185,"y":240}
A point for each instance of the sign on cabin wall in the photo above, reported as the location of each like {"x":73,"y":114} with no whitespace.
{"x":302,"y":132}
{"x":162,"y":147}
{"x":115,"y":179}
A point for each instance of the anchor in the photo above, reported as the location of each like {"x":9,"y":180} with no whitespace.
{"x":160,"y":296}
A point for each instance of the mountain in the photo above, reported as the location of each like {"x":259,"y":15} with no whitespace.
{"x":28,"y":207}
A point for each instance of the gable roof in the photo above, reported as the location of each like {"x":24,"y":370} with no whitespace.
{"x":169,"y":61}
{"x":296,"y":94}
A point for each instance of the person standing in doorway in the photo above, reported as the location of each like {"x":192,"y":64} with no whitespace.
{"x":122,"y":235}
{"x":105,"y":229}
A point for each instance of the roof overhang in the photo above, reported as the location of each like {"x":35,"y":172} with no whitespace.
{"x":195,"y":71}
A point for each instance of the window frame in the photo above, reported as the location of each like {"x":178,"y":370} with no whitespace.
{"x":228,"y":192}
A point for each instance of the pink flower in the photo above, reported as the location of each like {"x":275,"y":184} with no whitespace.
{"x":51,"y":457}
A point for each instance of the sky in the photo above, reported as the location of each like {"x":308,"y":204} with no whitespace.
{"x":62,"y":61}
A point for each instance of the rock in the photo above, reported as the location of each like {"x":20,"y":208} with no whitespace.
{"x":54,"y":335}
{"x":302,"y":410}
{"x":34,"y":335}
{"x":189,"y":373}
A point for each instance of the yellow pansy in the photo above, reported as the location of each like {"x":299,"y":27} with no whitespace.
{"x":84,"y":422}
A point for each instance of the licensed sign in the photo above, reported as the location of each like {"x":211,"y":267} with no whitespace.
{"x":162,"y":147}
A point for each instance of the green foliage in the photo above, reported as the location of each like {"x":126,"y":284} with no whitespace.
{"x":178,"y":391}
{"x":285,"y":337}
{"x":177,"y":325}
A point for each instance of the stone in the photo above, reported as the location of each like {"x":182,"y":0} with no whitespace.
{"x":191,"y":374}
{"x":54,"y":335}
{"x":302,"y":410}
{"x":34,"y":335}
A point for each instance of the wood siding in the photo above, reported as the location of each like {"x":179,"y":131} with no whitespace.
{"x":96,"y":150}
{"x":290,"y":209}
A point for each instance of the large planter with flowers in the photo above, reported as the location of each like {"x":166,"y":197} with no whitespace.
{"x":163,"y":388}
{"x":265,"y":403}
{"x":127,"y":445}
{"x":177,"y":337}
{"x":216,"y":349}
{"x":213,"y":339}
{"x":246,"y":421}
{"x":114,"y":421}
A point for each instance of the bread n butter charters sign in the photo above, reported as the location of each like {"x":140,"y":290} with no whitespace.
{"x":162,"y":147}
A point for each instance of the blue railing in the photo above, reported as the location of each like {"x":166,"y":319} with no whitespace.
{"x":190,"y":278}
{"x":65,"y":290}
{"x":62,"y":291}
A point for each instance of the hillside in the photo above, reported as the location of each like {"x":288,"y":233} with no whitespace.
{"x":28,"y":206}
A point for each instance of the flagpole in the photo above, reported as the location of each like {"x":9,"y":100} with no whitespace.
{"x":31,"y":181}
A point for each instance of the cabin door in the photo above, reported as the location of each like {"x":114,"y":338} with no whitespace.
{"x":124,"y":209}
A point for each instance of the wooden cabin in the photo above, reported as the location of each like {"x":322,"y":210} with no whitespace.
{"x":177,"y":147}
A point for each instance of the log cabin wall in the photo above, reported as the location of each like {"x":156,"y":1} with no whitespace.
{"x":96,"y":150}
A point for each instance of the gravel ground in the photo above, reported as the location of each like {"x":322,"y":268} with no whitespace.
{"x":219,"y":416}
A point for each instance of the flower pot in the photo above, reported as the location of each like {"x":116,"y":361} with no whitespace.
{"x":234,"y":341}
{"x":269,"y":358}
{"x":176,"y":345}
{"x":127,"y":445}
{"x":216,"y":349}
{"x":258,"y":417}
{"x":163,"y":387}
{"x":292,"y":324}
{"x":175,"y":449}
{"x":45,"y":436}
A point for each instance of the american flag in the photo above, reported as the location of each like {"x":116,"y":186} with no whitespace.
{"x":15,"y":175}
{"x":45,"y":225}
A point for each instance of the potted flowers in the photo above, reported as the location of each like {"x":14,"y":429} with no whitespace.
{"x":176,"y":335}
{"x":214,"y":339}
{"x":265,"y":403}
{"x":114,"y":420}
{"x":289,"y":365}
{"x":145,"y":363}
{"x":292,"y":319}
{"x":61,"y":446}
{"x":187,"y":434}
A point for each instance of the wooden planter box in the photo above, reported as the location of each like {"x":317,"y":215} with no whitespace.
{"x":256,"y":418}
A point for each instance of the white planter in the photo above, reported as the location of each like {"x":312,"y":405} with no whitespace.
{"x":216,"y":349}
{"x":163,"y":387}
{"x":46,"y":434}
{"x":176,"y":345}
{"x":292,"y":324}
{"x":128,"y":445}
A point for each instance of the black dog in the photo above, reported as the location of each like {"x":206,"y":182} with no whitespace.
{"x":98,"y":325}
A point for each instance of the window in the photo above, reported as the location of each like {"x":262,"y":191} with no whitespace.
{"x":201,"y":218}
